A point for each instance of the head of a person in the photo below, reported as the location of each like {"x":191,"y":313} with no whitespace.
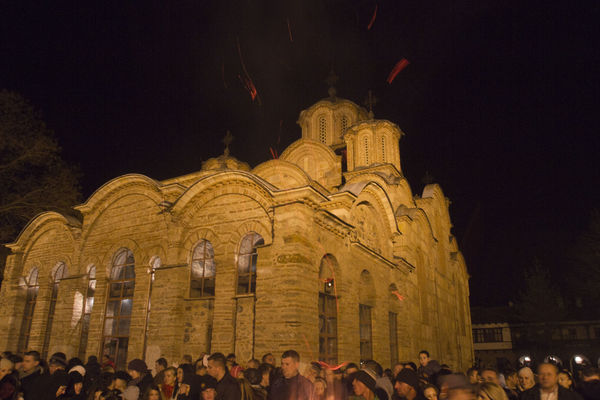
{"x":252,"y":363}
{"x":200,"y":368}
{"x":590,"y":374}
{"x":548,"y":376}
{"x":473,"y":375}
{"x":209,"y":392}
{"x":565,"y":379}
{"x":397,"y":368}
{"x":268,"y":359}
{"x":526,"y":378}
{"x":6,"y":367}
{"x":76,"y":381}
{"x":423,"y":357}
{"x":491,"y":391}
{"x":31,"y":360}
{"x":320,"y":386}
{"x":410,"y":365}
{"x":217,"y":367}
{"x":313,"y":370}
{"x":152,"y":393}
{"x":512,"y":380}
{"x":136,"y":368}
{"x":364,"y":382}
{"x":230,"y":360}
{"x":160,"y":364}
{"x":430,"y":392}
{"x":186,"y":359}
{"x":56,"y":363}
{"x":407,"y":383}
{"x":122,"y":378}
{"x":461,"y":393}
{"x":184,"y":372}
{"x":170,"y":376}
{"x":374,"y":366}
{"x":350,"y":369}
{"x":265,"y":374}
{"x":290,"y":360}
{"x":490,"y":375}
{"x":17,"y":360}
{"x":106,"y":358}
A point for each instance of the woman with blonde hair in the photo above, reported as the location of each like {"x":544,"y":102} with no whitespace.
{"x":491,"y":391}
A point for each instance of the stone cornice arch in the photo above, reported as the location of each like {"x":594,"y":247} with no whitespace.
{"x":193,"y":237}
{"x":339,"y":103}
{"x":300,"y":147}
{"x":223,"y":183}
{"x":417,"y":215}
{"x":119,"y":187}
{"x":39,"y":224}
{"x":377,"y":192}
{"x":275,"y":167}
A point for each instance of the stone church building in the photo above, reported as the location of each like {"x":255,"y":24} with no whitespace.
{"x":325,"y":250}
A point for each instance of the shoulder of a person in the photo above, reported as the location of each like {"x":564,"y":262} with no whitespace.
{"x":566,"y":394}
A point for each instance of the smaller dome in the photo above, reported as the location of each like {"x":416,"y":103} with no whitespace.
{"x":224,"y":162}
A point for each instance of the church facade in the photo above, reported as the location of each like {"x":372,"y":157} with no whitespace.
{"x":325,"y":250}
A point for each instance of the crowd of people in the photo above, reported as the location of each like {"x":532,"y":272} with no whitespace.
{"x":220,"y":377}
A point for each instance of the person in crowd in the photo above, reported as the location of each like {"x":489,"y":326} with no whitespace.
{"x":140,"y":376}
{"x":265,"y":374}
{"x":168,"y":388}
{"x":253,"y":363}
{"x":473,"y":376}
{"x":397,"y":368}
{"x":186,"y":359}
{"x":548,"y":387}
{"x":363,"y":383}
{"x":9,"y":384}
{"x":17,"y":360}
{"x":152,"y":393}
{"x":407,"y":385}
{"x":589,"y":387}
{"x":291,"y":385}
{"x":489,"y":390}
{"x":30,"y":374}
{"x":210,"y":392}
{"x":107,"y":363}
{"x":227,"y":386}
{"x":313,"y":370}
{"x":254,"y":378}
{"x":75,"y":386}
{"x":383,"y":386}
{"x":320,"y":386}
{"x":428,"y":366}
{"x":411,"y":365}
{"x":461,"y":393}
{"x":230,"y":360}
{"x":92,"y":373}
{"x":268,"y":359}
{"x":159,"y":366}
{"x":124,"y":383}
{"x":491,"y":375}
{"x":512,"y":380}
{"x":431,"y":392}
{"x":565,"y":379}
{"x":526,"y":379}
{"x":347,"y":377}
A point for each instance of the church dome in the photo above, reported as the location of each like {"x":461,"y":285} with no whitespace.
{"x":225,"y":161}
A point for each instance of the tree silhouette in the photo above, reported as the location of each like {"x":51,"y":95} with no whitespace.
{"x":33,"y":177}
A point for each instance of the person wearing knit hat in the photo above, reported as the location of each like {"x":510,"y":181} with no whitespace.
{"x":75,"y":388}
{"x":139,"y":373}
{"x":407,"y":384}
{"x":363,"y":383}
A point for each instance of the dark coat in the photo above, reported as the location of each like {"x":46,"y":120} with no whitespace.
{"x":228,"y":388}
{"x":9,"y":387}
{"x":589,"y":390}
{"x":534,"y":394}
{"x":29,"y":385}
{"x":296,"y":388}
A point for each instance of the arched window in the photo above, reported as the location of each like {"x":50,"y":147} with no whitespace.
{"x":202,"y":274}
{"x":87,"y":311}
{"x":59,"y":273}
{"x":32,"y":287}
{"x":366,"y":303}
{"x":327,"y":310}
{"x":117,"y":318}
{"x":247,"y":257}
{"x":323,"y":130}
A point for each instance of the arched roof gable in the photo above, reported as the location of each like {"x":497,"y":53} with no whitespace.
{"x":295,"y":151}
{"x":120,"y":186}
{"x":279,"y":171}
{"x":39,"y":224}
{"x":226,"y":182}
{"x":375,"y":194}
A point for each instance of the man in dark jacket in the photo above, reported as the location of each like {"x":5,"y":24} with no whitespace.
{"x":228,"y":387}
{"x":29,"y":374}
{"x":292,"y":385}
{"x":548,"y":387}
{"x":589,"y":388}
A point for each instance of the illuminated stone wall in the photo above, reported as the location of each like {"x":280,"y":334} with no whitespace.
{"x":304,"y":205}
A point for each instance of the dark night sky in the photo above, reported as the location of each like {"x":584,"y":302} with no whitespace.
{"x":499,"y":102}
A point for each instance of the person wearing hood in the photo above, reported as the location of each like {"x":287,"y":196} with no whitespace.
{"x":383,"y":386}
{"x":92,"y":373}
{"x":407,"y":385}
{"x":363,"y":383}
{"x":75,"y":387}
{"x":139,"y":375}
{"x":29,"y":374}
{"x":124,"y":383}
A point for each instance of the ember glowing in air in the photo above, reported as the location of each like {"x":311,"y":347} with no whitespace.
{"x":373,"y":18}
{"x":400,"y":65}
{"x":246,"y":80}
{"x":332,"y":367}
{"x":398,"y":295}
{"x":290,"y":30}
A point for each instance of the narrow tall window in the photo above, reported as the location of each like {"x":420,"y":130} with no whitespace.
{"x":322,"y":130}
{"x":202,"y":274}
{"x":366,"y":339}
{"x":393,"y":337}
{"x":383,"y":149}
{"x":117,"y":318}
{"x":327,"y":312}
{"x":247,"y":257}
{"x":58,"y":275}
{"x":366,"y":149}
{"x":343,"y":125}
{"x":32,"y":287}
{"x":87,"y":312}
